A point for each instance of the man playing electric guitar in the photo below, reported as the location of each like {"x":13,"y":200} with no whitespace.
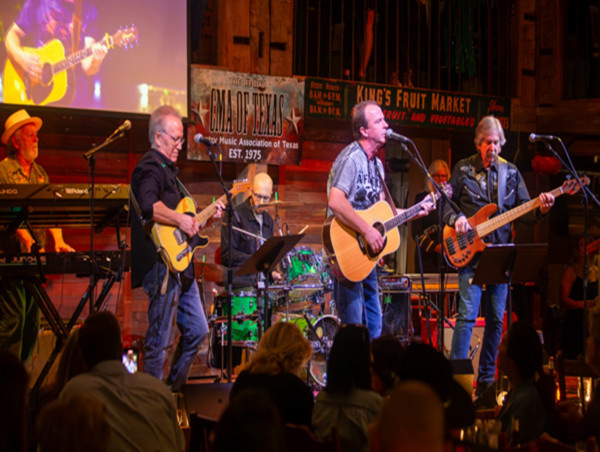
{"x":42,"y":21}
{"x":477,"y":181}
{"x":355,"y":183}
{"x":173,"y":296}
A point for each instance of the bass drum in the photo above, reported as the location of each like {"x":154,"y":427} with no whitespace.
{"x":320,"y":333}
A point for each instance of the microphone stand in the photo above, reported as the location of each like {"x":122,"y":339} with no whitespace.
{"x":90,"y":157}
{"x":230,"y":214}
{"x":416,"y":158}
{"x":587,"y":193}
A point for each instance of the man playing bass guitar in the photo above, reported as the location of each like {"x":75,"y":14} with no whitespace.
{"x":479,"y":180}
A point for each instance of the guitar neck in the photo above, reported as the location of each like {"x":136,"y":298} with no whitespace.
{"x":208,"y":212}
{"x":489,"y":226}
{"x":77,"y":57}
{"x":403,"y":217}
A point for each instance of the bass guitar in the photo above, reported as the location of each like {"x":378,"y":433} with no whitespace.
{"x":460,"y":249}
{"x":349,"y":255}
{"x":19,"y":89}
{"x":175,"y":246}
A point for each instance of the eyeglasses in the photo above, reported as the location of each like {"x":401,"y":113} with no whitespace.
{"x":261,"y":197}
{"x":175,"y":140}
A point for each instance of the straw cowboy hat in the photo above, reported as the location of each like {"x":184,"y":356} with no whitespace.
{"x":15,"y":121}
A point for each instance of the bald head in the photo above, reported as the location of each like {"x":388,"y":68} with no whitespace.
{"x":262,"y":188}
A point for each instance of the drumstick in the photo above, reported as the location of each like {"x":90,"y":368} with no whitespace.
{"x":303,"y":229}
{"x":247,"y":233}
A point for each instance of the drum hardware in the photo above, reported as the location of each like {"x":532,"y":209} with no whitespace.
{"x":320,"y":332}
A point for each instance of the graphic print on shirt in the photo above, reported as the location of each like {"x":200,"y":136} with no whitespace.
{"x":367,"y":188}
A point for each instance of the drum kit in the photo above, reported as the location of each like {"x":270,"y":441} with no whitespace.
{"x":299,"y":297}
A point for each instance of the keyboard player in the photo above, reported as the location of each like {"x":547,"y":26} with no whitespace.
{"x":19,"y":313}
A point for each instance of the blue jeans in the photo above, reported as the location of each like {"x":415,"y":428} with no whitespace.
{"x":178,"y":305}
{"x":468,"y":307}
{"x":358,"y":303}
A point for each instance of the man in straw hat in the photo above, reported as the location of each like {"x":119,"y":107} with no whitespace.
{"x":19,"y":314}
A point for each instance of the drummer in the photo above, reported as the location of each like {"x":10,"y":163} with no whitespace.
{"x":258,"y":226}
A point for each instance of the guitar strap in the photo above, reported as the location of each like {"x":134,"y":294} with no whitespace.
{"x":182,"y":189}
{"x":388,"y":196}
{"x":502,"y":166}
{"x":136,"y":207}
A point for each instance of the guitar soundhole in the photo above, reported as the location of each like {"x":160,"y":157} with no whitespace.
{"x":372,"y":254}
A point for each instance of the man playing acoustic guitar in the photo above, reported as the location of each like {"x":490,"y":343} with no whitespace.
{"x":355,"y":184}
{"x":476,"y":182}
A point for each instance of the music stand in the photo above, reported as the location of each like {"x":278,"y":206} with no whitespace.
{"x":510,"y":264}
{"x":264,"y":261}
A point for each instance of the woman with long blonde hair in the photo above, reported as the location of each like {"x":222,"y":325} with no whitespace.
{"x":275,"y":368}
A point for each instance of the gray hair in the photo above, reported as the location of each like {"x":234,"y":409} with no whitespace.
{"x":487,"y":125}
{"x":10,"y":146}
{"x":157,"y":120}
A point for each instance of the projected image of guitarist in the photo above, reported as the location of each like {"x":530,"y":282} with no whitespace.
{"x":480,"y":183}
{"x":53,"y":49}
{"x":358,"y":235}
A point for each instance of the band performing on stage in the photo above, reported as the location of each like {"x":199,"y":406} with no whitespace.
{"x":273,"y":313}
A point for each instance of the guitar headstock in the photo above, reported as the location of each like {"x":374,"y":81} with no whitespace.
{"x":240,"y":186}
{"x":571,"y":186}
{"x":126,"y":37}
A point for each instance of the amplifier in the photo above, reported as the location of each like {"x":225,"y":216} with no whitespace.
{"x":397,"y":283}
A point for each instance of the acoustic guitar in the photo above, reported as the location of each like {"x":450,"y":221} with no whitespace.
{"x":175,"y":246}
{"x":460,"y":249}
{"x":19,"y":89}
{"x":349,"y":255}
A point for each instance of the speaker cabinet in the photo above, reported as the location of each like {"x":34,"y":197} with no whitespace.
{"x":397,"y":316}
{"x":207,"y":400}
{"x":476,"y":339}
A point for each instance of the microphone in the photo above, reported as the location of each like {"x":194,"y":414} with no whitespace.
{"x":390,"y":134}
{"x":123,"y":127}
{"x":199,"y":138}
{"x":533,"y":138}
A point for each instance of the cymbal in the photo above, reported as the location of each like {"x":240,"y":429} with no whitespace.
{"x":212,"y":272}
{"x":278,"y":203}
